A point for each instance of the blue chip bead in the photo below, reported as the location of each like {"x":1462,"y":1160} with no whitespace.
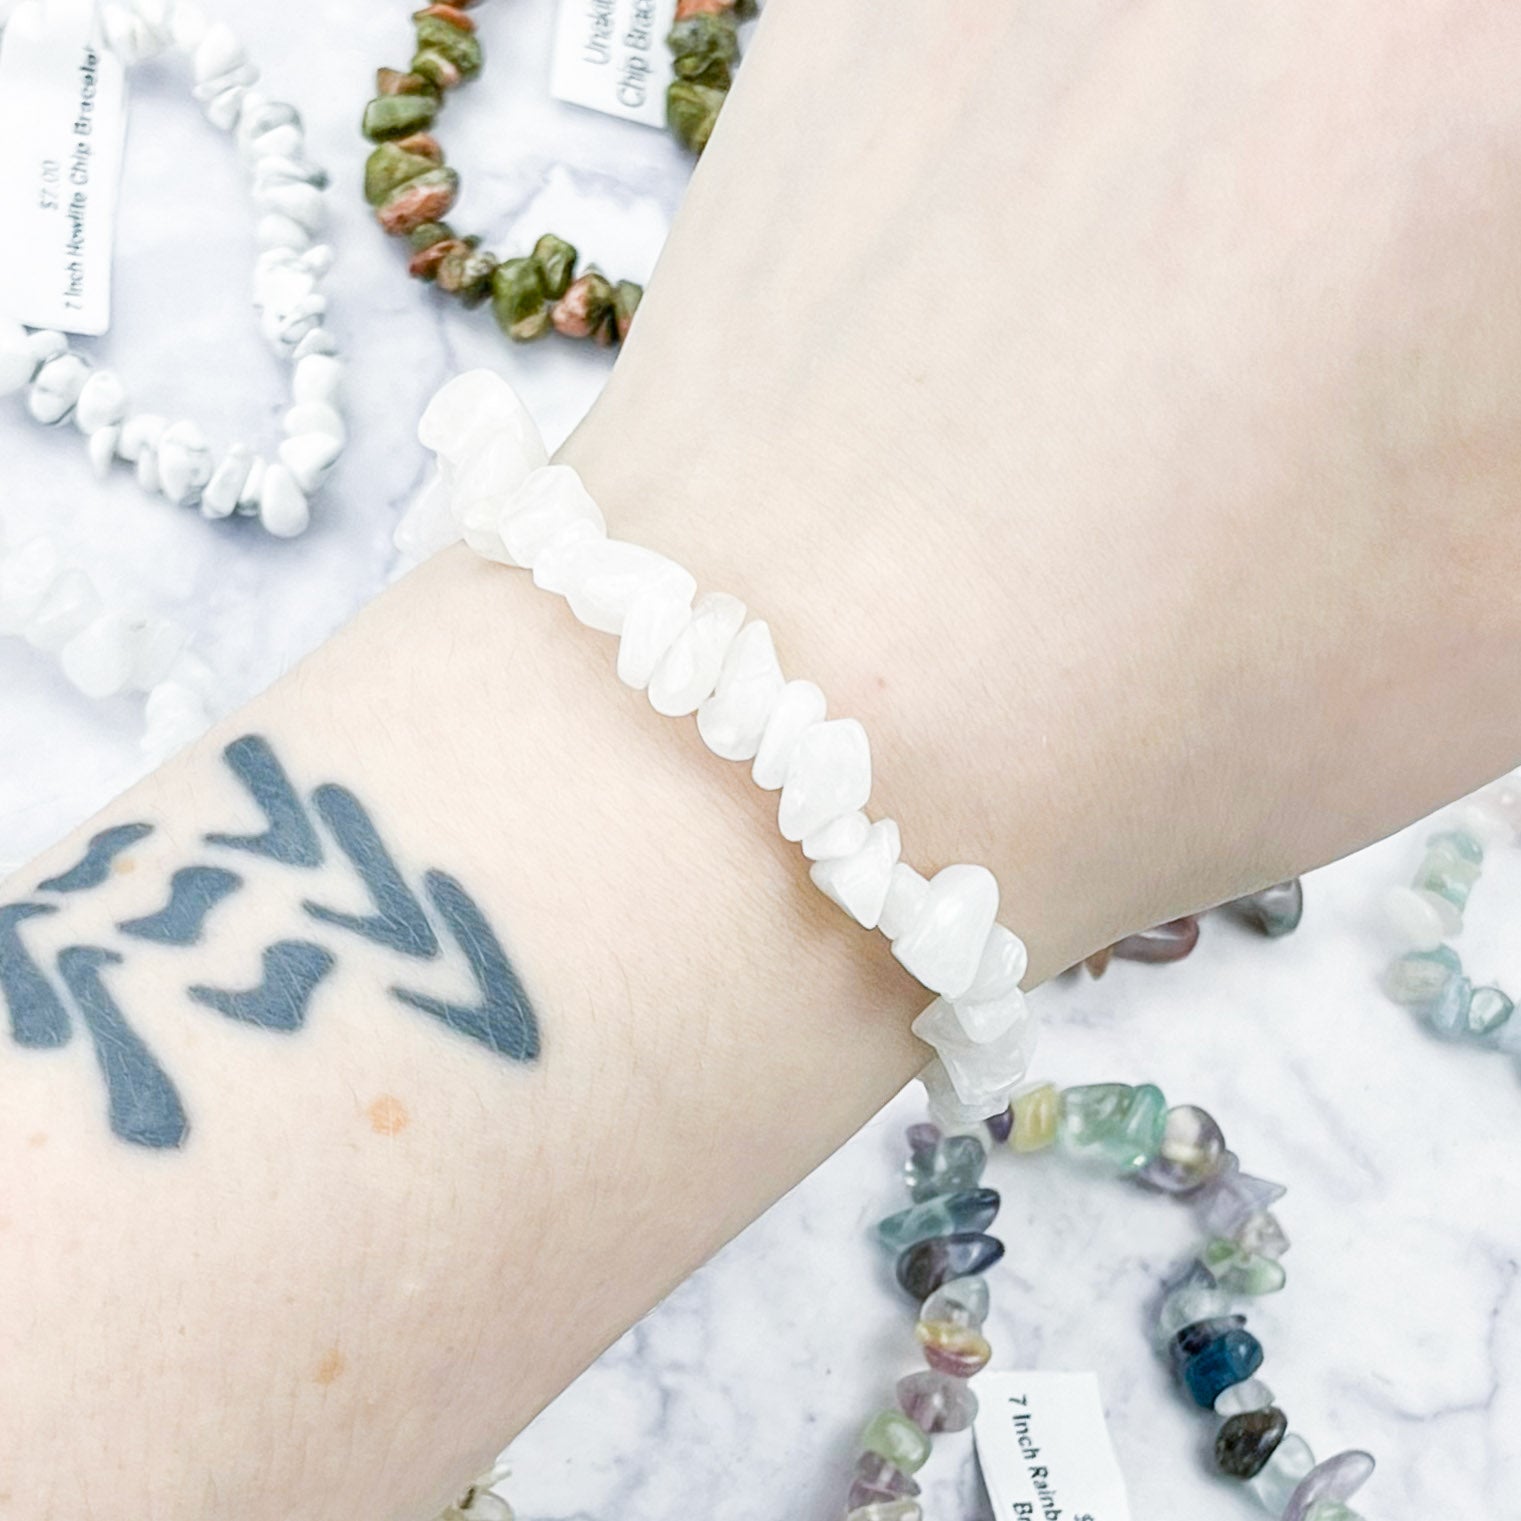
{"x":973,"y":1209}
{"x":1194,"y":1338}
{"x":924,"y":1267}
{"x":1230,"y":1358}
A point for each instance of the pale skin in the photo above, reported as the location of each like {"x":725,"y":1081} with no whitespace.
{"x":1111,"y":405}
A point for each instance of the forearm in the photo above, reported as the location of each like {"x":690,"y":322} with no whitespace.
{"x":371,"y":1246}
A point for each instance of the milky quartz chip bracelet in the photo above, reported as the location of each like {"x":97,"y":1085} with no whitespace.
{"x":698,"y":655}
{"x":172,"y":458}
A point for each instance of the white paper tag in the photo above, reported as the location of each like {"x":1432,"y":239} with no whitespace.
{"x":63,"y":123}
{"x":1044,"y":1448}
{"x":611,"y":55}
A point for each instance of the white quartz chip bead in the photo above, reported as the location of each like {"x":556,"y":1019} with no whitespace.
{"x":943,"y":945}
{"x":732,"y":721}
{"x":601,"y":577}
{"x":276,"y":230}
{"x":101,"y":449}
{"x":283,"y":508}
{"x":485,"y":478}
{"x":99,"y":658}
{"x":828,"y":774}
{"x":688,"y":671}
{"x":546,"y":501}
{"x":907,"y":891}
{"x":982,"y":1073}
{"x":798,"y":706}
{"x":318,"y":377}
{"x":176,"y":715}
{"x":27,"y":574}
{"x":1422,"y":919}
{"x":314,"y":417}
{"x":70,"y":604}
{"x":1001,"y":968}
{"x":428,"y":523}
{"x":859,"y":882}
{"x":843,"y":836}
{"x":221,"y":494}
{"x":655,"y":619}
{"x":946,"y":1109}
{"x":985,"y":1019}
{"x":476,"y":408}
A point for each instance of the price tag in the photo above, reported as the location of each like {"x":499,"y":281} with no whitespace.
{"x":611,"y":55}
{"x":63,"y":123}
{"x":1044,"y":1449}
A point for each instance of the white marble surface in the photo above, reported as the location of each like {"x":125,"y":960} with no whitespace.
{"x":741,"y":1396}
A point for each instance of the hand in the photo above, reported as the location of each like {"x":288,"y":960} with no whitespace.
{"x":1115,"y":407}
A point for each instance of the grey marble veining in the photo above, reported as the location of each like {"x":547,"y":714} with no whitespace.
{"x":739,"y":1399}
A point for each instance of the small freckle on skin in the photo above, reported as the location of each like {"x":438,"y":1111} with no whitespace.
{"x":123,"y":866}
{"x":39,"y":1138}
{"x":330,"y":1368}
{"x":388,"y":1115}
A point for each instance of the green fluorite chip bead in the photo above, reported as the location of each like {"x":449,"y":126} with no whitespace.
{"x":1112,"y":1125}
{"x":972,"y":1209}
{"x":891,"y":1435}
{"x":1419,"y":978}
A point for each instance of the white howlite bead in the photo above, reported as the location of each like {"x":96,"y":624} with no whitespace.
{"x":217,"y":53}
{"x":688,"y":671}
{"x":46,"y":344}
{"x":829,"y":773}
{"x":284,"y":330}
{"x":274,"y":230}
{"x":101,"y":449}
{"x":798,"y":706}
{"x":223,"y":108}
{"x":547,"y":500}
{"x":71,"y":603}
{"x":56,"y":387}
{"x":155,"y":13}
{"x":1417,"y":917}
{"x":859,"y":882}
{"x":184,"y":462}
{"x":946,"y":1109}
{"x":290,"y":171}
{"x":309,"y":458}
{"x":239,"y":78}
{"x":283,"y":507}
{"x":187,"y":26}
{"x":654,"y":621}
{"x":318,"y":377}
{"x":314,"y":417}
{"x":479,"y":410}
{"x":985,"y":1019}
{"x":98,"y":659}
{"x":248,"y":497}
{"x":733,"y":719}
{"x":221,"y":494}
{"x":146,"y":469}
{"x":843,"y":837}
{"x":280,"y":284}
{"x":17,"y":365}
{"x":317,"y":341}
{"x":102,"y":402}
{"x":1001,"y":967}
{"x":943,"y":946}
{"x":980,"y":1072}
{"x":288,"y":141}
{"x":300,"y":202}
{"x":261,"y":115}
{"x":600,"y":577}
{"x":907,"y":893}
{"x":138,"y":433}
{"x":27,"y":574}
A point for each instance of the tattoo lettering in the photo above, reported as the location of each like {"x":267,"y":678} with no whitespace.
{"x":45,"y":1008}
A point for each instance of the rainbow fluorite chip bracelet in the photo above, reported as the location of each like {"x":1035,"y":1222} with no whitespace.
{"x":698,"y":655}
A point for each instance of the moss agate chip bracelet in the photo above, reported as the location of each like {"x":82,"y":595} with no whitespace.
{"x":702,"y":657}
{"x":173,"y":458}
{"x":942,"y":1249}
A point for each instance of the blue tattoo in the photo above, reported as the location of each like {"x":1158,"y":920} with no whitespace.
{"x":95,"y":865}
{"x":144,"y":1107}
{"x":193,"y":893}
{"x":38,"y":1017}
{"x":290,"y":838}
{"x":292,"y":970}
{"x":400,"y":923}
{"x":503,"y":1020}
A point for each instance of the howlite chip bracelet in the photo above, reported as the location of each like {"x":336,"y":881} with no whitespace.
{"x":702,"y":657}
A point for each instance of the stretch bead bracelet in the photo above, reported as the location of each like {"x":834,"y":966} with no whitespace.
{"x":703,"y":658}
{"x":173,"y":458}
{"x":1429,"y":978}
{"x":942,"y":1247}
{"x":55,"y":608}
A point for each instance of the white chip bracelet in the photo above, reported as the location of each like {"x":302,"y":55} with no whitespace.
{"x":698,"y":655}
